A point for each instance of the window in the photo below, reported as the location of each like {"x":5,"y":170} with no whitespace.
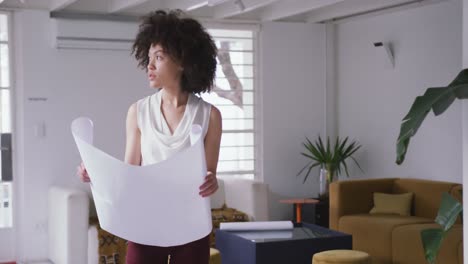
{"x":234,"y":95}
{"x":6,"y":175}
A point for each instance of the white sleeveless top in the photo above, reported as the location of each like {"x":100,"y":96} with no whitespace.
{"x":157,"y":143}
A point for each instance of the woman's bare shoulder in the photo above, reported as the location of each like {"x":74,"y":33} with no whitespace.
{"x":215,"y":120}
{"x":215,"y":114}
{"x":132,"y":116}
{"x":132,"y":109}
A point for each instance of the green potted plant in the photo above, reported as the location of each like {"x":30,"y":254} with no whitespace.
{"x":331,"y":159}
{"x":432,"y":238}
{"x":437,"y":99}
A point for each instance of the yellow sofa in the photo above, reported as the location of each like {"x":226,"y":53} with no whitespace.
{"x":393,"y":238}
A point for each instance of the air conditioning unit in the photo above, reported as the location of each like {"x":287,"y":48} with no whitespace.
{"x":92,"y":34}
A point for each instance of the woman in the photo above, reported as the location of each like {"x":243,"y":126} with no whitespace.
{"x":180,"y":59}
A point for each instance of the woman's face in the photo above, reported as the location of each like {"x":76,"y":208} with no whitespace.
{"x":163,"y":71}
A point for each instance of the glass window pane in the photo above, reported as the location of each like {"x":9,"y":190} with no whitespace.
{"x":240,"y":71}
{"x":223,"y":83}
{"x":236,"y":124}
{"x":234,"y":111}
{"x":233,"y":95}
{"x":5,"y":115}
{"x":247,"y":97}
{"x":248,"y":176}
{"x":235,"y":44}
{"x":3,"y":27}
{"x":4,"y":66}
{"x":239,"y":57}
{"x":234,"y":153}
{"x":237,"y":139}
{"x":241,"y":165}
{"x":216,"y":97}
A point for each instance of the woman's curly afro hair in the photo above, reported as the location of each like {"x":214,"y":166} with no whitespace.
{"x":185,"y":40}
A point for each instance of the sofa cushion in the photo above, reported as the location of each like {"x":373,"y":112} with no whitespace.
{"x":225,"y":214}
{"x":373,"y":233}
{"x":407,"y":246}
{"x":427,"y":194}
{"x":460,"y":252}
{"x":399,"y":204}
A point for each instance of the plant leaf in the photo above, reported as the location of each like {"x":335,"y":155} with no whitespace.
{"x":439,"y":100}
{"x":448,"y":212}
{"x":309,"y":156}
{"x":445,"y":100}
{"x":461,"y":92}
{"x":329,"y":157}
{"x":299,"y":173}
{"x":310,"y":168}
{"x":432,"y":239}
{"x":355,"y":161}
{"x":346,"y":168}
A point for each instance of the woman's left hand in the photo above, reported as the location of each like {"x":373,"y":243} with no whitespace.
{"x":210,"y":185}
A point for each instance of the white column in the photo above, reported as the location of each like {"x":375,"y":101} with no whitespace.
{"x":330,"y":111}
{"x":465,"y":133}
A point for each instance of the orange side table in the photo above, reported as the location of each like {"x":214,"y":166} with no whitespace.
{"x":299,"y":202}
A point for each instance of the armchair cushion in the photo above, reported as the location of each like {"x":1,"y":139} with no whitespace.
{"x":373,"y":233}
{"x":407,"y":246}
{"x":399,"y":204}
{"x":427,"y":194}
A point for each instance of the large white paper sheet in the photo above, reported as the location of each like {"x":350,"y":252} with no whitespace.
{"x":157,"y":204}
{"x":265,"y":234}
{"x":256,"y":226}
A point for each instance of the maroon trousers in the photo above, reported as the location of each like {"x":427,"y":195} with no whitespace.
{"x":196,"y":252}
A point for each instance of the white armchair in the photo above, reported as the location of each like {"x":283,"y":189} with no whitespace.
{"x":73,"y":241}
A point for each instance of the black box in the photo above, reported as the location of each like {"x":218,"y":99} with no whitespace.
{"x":267,"y":247}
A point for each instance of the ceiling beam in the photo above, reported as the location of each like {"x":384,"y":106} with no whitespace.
{"x":230,"y":10}
{"x":346,"y":9}
{"x":122,"y":5}
{"x":196,"y":6}
{"x":284,"y":9}
{"x":186,"y":5}
{"x":60,"y":4}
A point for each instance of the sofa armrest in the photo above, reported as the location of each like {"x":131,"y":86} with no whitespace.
{"x":93,"y":245}
{"x":68,"y":214}
{"x":456,"y":193}
{"x":248,"y":196}
{"x":354,"y":197}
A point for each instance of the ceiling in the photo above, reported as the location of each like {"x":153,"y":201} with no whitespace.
{"x":306,"y":11}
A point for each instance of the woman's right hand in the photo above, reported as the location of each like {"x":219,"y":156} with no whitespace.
{"x":82,"y":173}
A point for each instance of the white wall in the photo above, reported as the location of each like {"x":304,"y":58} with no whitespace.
{"x":293,"y":76}
{"x":98,"y":84}
{"x":102,"y":84}
{"x":372,"y":99}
